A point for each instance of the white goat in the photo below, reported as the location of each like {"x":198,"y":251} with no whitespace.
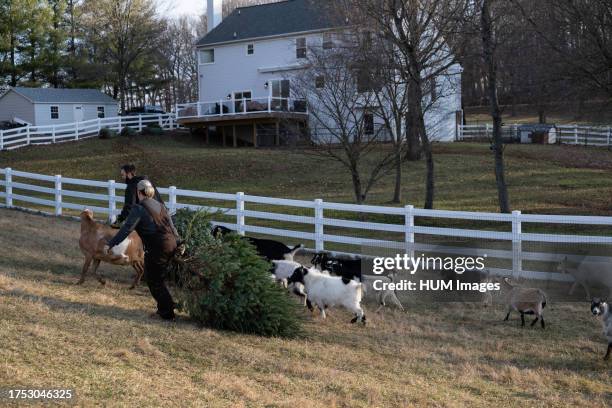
{"x":382,"y":294}
{"x":588,"y":273}
{"x":326,"y":291}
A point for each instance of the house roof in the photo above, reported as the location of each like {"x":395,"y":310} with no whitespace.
{"x":265,"y":20}
{"x":55,"y":95}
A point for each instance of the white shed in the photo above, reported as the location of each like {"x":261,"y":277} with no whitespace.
{"x":51,"y":106}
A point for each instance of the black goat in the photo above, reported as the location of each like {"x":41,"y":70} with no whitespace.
{"x":348,"y":269}
{"x":266,"y":248}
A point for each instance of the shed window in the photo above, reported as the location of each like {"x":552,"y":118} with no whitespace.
{"x":368,"y":123}
{"x":300,"y":47}
{"x":101,"y":112}
{"x":250,"y":49}
{"x":54,"y":112}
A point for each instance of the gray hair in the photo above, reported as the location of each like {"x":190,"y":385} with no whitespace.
{"x":146,"y":188}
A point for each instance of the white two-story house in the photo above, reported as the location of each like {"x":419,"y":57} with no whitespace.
{"x":245,"y":68}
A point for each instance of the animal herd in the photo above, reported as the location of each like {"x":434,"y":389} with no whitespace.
{"x":333,"y":281}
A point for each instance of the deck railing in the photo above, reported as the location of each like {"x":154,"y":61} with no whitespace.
{"x":227,"y":107}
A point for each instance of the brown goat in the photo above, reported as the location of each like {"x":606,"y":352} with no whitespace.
{"x":94,"y":237}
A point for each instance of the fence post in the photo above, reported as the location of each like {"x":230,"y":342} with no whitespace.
{"x":160,"y":122}
{"x":118,"y":125}
{"x":58,"y":194}
{"x":28,"y":134}
{"x":76,"y":131}
{"x":53,"y":134}
{"x":517,"y":247}
{"x":140,"y":123}
{"x":607,"y":144}
{"x":1,"y":140}
{"x":8,"y":189}
{"x":99,"y":125}
{"x":172,"y":199}
{"x":240,"y":213}
{"x":575,"y":134}
{"x":319,"y":241}
{"x":112,"y":203}
{"x":409,"y":230}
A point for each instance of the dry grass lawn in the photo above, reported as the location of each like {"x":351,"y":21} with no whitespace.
{"x":99,"y":341}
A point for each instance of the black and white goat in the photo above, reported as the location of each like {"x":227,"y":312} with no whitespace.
{"x":266,"y":248}
{"x":327,"y":291}
{"x":602,"y":309}
{"x":282,"y":270}
{"x":348,"y":269}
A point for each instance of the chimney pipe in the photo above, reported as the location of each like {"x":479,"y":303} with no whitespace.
{"x":213,"y":13}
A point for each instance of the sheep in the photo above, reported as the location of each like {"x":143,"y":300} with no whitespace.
{"x":588,"y":273}
{"x":348,"y":269}
{"x":526,"y":301}
{"x":326,"y":291}
{"x":266,"y":248}
{"x":381,"y":294}
{"x":602,"y":309}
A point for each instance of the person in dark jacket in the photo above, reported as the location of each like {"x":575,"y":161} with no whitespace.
{"x":128,"y":172}
{"x":150,"y":219}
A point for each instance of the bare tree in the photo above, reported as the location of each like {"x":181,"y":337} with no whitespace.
{"x":342,"y":115}
{"x":416,"y":31}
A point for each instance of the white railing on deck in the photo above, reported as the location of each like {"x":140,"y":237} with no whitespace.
{"x":227,"y":107}
{"x":62,"y":190}
{"x":30,"y":135}
{"x":567,"y":134}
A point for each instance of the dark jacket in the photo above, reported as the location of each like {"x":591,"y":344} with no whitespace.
{"x":152,"y":223}
{"x":131,"y":196}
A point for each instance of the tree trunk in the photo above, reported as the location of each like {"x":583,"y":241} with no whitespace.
{"x":429,"y":183}
{"x":498,"y":147}
{"x":357,"y":187}
{"x":397,"y":191}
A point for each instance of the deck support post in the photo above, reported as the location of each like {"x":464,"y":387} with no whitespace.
{"x":207,"y":132}
{"x":254,"y":134}
{"x":234,"y":139}
{"x":277,"y":134}
{"x":223,"y":134}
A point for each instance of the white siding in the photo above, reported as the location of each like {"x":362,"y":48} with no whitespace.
{"x":66,"y":112}
{"x":234,"y":70}
{"x":14,"y":105}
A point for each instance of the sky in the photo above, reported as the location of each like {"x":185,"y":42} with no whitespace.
{"x":175,"y":8}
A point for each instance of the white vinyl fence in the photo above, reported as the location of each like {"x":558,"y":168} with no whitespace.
{"x":62,"y":192}
{"x":567,"y":134}
{"x":29,"y":135}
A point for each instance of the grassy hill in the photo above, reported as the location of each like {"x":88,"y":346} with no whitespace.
{"x":100,"y":342}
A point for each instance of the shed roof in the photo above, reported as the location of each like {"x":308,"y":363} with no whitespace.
{"x":64,"y":95}
{"x":265,"y":20}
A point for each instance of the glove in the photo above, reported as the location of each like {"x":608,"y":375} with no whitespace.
{"x":116,"y":225}
{"x":106,"y":250}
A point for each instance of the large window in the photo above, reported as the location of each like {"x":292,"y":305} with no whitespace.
{"x":101,"y":112}
{"x":328,"y":42}
{"x":54,"y":112}
{"x":207,"y":56}
{"x":300,"y":48}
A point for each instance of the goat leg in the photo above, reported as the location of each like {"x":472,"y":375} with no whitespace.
{"x":96,"y":264}
{"x":535,"y":321}
{"x":542,"y":322}
{"x":84,"y":270}
{"x":607,"y":356}
{"x":522,"y":319}
{"x":139,"y":272}
{"x":507,"y":316}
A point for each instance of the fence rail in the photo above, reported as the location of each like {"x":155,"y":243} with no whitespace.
{"x":566,"y":134}
{"x":30,"y":135}
{"x":60,"y":192}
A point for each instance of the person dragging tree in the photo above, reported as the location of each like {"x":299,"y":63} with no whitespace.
{"x":150,"y":219}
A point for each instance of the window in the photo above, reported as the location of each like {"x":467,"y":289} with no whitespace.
{"x":366,"y":81}
{"x":242,"y":95}
{"x":207,"y":56}
{"x":54,"y":112}
{"x":328,"y":42}
{"x":320,"y":81}
{"x":250,"y":49}
{"x":300,"y":48}
{"x":101,"y":112}
{"x":368,"y":123}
